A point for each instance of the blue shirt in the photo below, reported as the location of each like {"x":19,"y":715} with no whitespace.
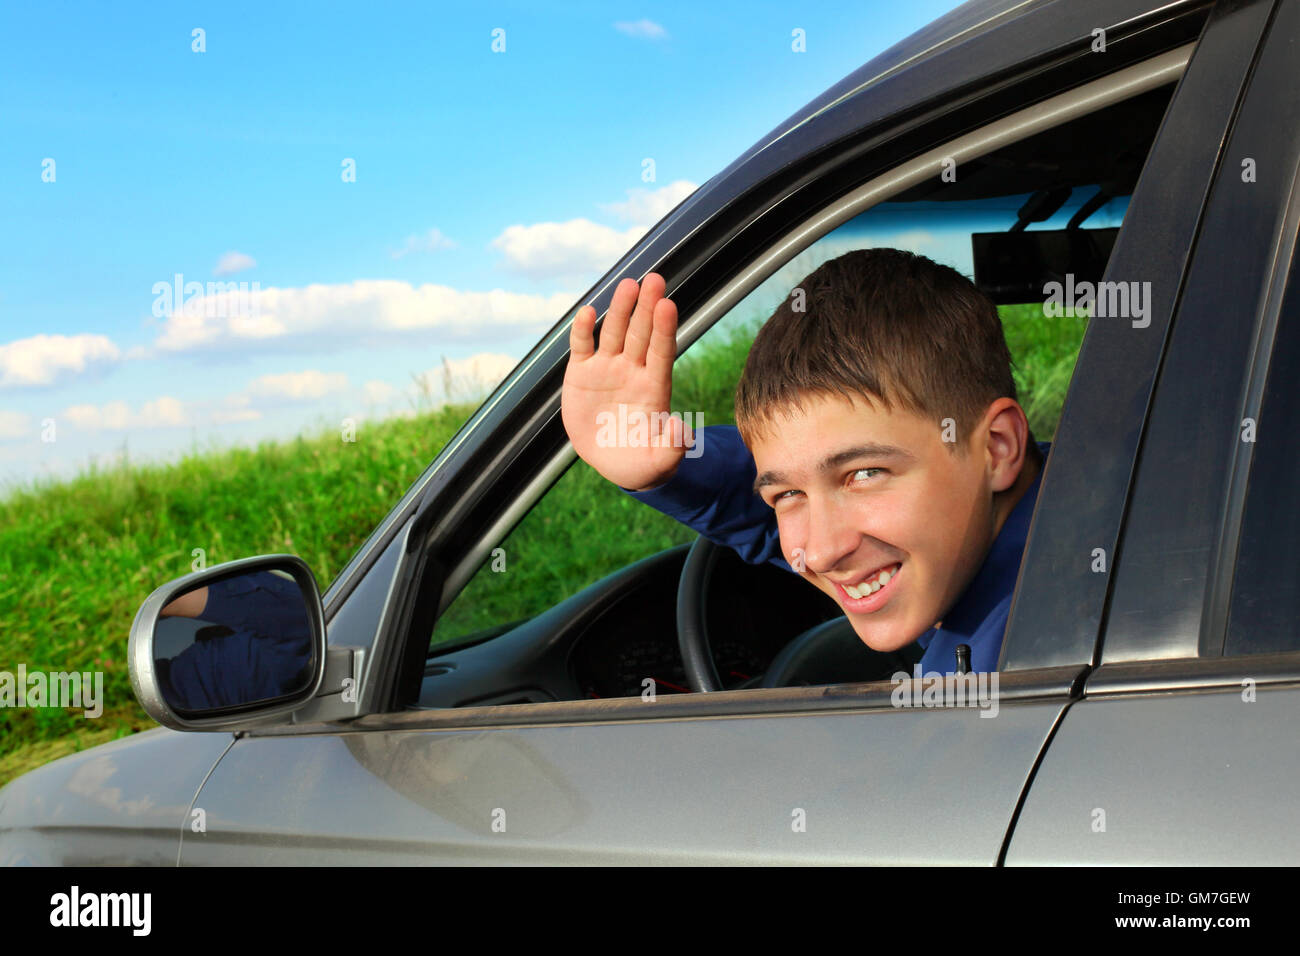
{"x":713,"y":494}
{"x":259,"y":646}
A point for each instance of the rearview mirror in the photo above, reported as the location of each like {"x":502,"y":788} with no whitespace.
{"x":1012,"y":267}
{"x":229,"y":646}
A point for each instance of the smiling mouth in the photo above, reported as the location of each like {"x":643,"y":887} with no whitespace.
{"x":861,"y":593}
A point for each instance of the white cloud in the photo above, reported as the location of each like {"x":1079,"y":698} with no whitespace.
{"x":161,"y":412}
{"x":235,"y":408}
{"x":377,"y":392}
{"x":431,"y":241}
{"x":48,"y":359}
{"x":578,"y":248}
{"x":13,"y":425}
{"x":582,"y":250}
{"x":454,"y":380}
{"x":489,"y":368}
{"x":467,"y":379}
{"x":359,"y":311}
{"x":641,"y":28}
{"x":232,"y":262}
{"x":298,"y":386}
{"x":645,"y":207}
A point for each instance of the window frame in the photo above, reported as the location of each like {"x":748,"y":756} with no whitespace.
{"x":1179,"y":642}
{"x":1063,"y":607}
{"x":1264,"y":369}
{"x":768,"y":262}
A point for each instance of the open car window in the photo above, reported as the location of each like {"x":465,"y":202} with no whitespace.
{"x":1043,"y":210}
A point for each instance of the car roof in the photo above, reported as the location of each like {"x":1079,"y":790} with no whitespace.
{"x":961,"y":23}
{"x":955,"y":27}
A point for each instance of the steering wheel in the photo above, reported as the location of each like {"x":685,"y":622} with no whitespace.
{"x":827,"y":653}
{"x":692,"y":629}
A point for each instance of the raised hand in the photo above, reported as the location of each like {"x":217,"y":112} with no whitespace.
{"x":633,"y":367}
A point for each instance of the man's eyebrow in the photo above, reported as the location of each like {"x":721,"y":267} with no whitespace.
{"x":833,"y":461}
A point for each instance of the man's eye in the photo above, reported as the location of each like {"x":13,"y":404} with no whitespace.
{"x":869,"y":472}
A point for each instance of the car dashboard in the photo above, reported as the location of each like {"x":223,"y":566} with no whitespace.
{"x":619,"y":634}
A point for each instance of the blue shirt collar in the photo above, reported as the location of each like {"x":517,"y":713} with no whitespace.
{"x":996,"y":577}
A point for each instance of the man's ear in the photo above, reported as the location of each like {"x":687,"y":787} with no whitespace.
{"x":1006,"y":433}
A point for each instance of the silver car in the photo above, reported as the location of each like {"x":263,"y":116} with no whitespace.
{"x":1145,"y":704}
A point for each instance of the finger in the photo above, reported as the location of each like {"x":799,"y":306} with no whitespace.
{"x":614,"y":327}
{"x":663,"y":341}
{"x":581,"y":343}
{"x":639,"y":328}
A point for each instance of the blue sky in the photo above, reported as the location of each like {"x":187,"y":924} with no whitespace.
{"x":491,"y":189}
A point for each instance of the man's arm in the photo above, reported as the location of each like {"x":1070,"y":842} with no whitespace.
{"x":713,"y":494}
{"x":190,"y":604}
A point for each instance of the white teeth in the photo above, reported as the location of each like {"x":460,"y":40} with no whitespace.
{"x":869,"y":586}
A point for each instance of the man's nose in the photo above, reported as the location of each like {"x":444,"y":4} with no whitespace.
{"x":830,"y":536}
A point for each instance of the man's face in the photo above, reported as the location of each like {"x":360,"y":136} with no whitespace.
{"x":858,"y":490}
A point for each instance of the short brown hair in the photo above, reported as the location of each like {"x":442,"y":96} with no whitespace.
{"x":886,"y":324}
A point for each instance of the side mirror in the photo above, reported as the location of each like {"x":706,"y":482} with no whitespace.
{"x":239,"y":644}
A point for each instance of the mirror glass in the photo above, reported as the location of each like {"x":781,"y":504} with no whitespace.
{"x":235,"y":641}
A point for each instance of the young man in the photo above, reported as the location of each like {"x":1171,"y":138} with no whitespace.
{"x":879,"y":450}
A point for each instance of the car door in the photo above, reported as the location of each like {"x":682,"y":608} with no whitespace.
{"x":1183,"y":748}
{"x":806,"y":774}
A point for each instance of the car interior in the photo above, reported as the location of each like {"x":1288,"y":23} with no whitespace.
{"x":618,"y":636}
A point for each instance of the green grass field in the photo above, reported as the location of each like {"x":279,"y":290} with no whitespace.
{"x":78,"y":558}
